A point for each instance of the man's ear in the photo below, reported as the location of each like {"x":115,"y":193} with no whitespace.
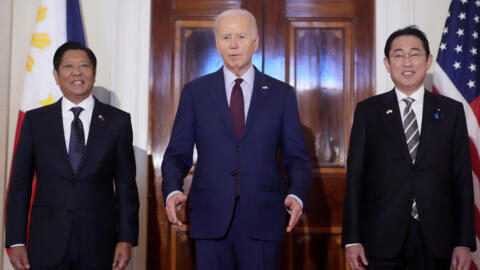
{"x":386,"y":62}
{"x":55,"y":75}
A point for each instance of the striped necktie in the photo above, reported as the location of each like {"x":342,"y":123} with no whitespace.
{"x":412,"y":134}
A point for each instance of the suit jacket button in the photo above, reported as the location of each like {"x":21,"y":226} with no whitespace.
{"x":239,"y":149}
{"x":234,"y":173}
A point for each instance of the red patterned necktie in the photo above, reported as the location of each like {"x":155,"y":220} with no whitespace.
{"x":237,"y":108}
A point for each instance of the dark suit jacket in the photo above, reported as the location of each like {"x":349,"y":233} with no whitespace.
{"x":273,"y":124}
{"x":381,"y":179}
{"x":102,"y":199}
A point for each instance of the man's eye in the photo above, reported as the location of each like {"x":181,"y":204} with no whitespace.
{"x":226,"y":38}
{"x":242,"y":36}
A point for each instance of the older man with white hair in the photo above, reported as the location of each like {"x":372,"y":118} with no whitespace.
{"x":239,"y":119}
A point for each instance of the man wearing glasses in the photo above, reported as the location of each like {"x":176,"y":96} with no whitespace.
{"x":409,"y":196}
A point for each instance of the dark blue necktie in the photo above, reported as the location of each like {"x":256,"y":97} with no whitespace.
{"x":76,"y":148}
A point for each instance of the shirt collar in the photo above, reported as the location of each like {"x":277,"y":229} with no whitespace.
{"x":86,"y":104}
{"x":247,"y":77}
{"x":417,"y":95}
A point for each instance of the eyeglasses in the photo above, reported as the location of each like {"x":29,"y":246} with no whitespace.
{"x":413,"y":55}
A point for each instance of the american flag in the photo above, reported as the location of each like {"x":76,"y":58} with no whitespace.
{"x":456,"y":75}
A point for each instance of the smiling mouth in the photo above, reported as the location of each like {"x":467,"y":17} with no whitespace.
{"x":77,"y":82}
{"x":407,"y":73}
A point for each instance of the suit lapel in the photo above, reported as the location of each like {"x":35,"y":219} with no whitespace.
{"x":259,"y":96}
{"x":96,"y":131}
{"x":427,"y":125}
{"x":58,"y":136}
{"x":219,"y":95}
{"x":393,"y":119}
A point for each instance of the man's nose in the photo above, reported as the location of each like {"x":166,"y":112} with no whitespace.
{"x":76,"y":69}
{"x":233,"y":42}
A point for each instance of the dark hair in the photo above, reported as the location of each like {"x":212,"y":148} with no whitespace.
{"x":72,"y":45}
{"x":411,"y":30}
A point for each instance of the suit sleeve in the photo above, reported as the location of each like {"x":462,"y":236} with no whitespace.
{"x":20,"y":189}
{"x":177,"y":160}
{"x":355,"y":176}
{"x":294,"y":152}
{"x":463,"y":184}
{"x":126,"y":187}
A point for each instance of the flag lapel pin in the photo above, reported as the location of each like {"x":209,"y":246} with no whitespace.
{"x":265,"y":87}
{"x":101,"y":117}
{"x":389,"y":111}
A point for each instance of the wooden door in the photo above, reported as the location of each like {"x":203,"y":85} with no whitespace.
{"x":325,"y":49}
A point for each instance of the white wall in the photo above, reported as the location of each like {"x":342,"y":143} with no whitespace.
{"x":118,"y":32}
{"x":5,"y":33}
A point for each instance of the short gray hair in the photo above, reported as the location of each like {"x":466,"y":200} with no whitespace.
{"x":237,"y":12}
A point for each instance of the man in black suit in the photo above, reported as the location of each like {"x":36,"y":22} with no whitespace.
{"x":409,"y":197}
{"x":85,"y":209}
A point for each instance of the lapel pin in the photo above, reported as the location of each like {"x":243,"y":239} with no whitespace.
{"x":389,"y":111}
{"x":264,"y":87}
{"x":101,"y":117}
{"x":437,"y":109}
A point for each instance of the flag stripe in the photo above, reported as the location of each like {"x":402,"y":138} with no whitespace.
{"x":74,"y":22}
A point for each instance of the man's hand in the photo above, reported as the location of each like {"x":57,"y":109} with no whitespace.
{"x":19,"y":258}
{"x":355,"y":255}
{"x":295,"y":212}
{"x":175,"y":200}
{"x":461,"y":258}
{"x":122,"y":256}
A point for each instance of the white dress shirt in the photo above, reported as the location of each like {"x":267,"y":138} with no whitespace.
{"x":85,"y":116}
{"x":417,"y":105}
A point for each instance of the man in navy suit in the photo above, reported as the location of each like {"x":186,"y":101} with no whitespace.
{"x":409,"y":196}
{"x":238,"y":119}
{"x":85,"y":210}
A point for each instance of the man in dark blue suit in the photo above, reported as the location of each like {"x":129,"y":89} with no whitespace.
{"x":85,"y":211}
{"x":238,"y":119}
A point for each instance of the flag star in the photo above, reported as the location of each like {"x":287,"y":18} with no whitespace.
{"x":476,"y":18}
{"x":475,"y":35}
{"x":471,"y":84}
{"x":459,"y":32}
{"x":462,"y":16}
{"x":457,"y":65}
{"x":474,"y":51}
{"x":443,"y":46}
{"x":472,"y":67}
{"x":445,"y":30}
{"x":464,"y":1}
{"x":458,"y":49}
